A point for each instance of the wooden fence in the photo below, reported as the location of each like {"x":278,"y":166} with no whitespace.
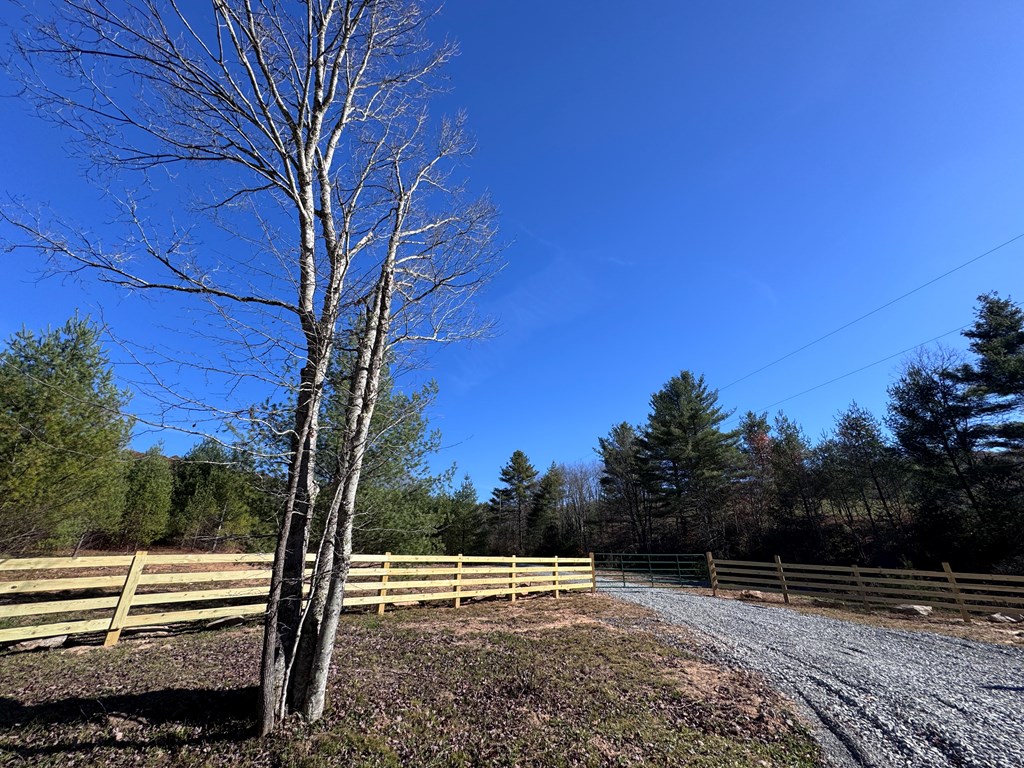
{"x":964,"y":592}
{"x":109,"y":594}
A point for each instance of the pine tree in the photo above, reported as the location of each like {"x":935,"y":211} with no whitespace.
{"x":544,"y":535}
{"x":689,"y":460}
{"x":465,"y":528}
{"x":511,"y":505}
{"x":212,"y":500}
{"x":624,"y":492}
{"x":997,"y":378}
{"x":147,"y":503}
{"x":62,"y":432}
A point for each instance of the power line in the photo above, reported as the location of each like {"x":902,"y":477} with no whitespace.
{"x":873,"y":311}
{"x":858,"y":370}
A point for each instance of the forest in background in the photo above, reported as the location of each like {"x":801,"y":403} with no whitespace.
{"x":939,"y":476}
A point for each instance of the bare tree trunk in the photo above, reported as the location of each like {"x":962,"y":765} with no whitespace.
{"x":316,"y":111}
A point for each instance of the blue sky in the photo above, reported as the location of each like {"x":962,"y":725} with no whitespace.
{"x":701,"y":186}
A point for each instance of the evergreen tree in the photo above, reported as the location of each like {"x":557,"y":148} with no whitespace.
{"x":997,"y":378}
{"x":544,"y":535}
{"x":511,"y":505}
{"x":932,"y":416}
{"x":624,"y":492}
{"x":800,"y":524}
{"x":399,"y":501}
{"x":689,"y":460}
{"x":212,"y":500}
{"x":995,"y":382}
{"x":62,"y":433}
{"x":465,"y":528}
{"x":147,"y":503}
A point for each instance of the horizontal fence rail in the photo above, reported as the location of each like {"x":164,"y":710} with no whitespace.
{"x":964,"y":592}
{"x":624,"y":570}
{"x":109,"y":594}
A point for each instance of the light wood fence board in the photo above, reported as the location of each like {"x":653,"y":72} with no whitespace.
{"x":468,"y":577}
{"x":55,"y":563}
{"x":52,"y":630}
{"x":365,"y":586}
{"x":60,"y":585}
{"x":423,"y":597}
{"x":196,"y":596}
{"x":175,"y":617}
{"x":198,"y":577}
{"x":124,"y":601}
{"x":57,"y":606}
{"x":200,"y":559}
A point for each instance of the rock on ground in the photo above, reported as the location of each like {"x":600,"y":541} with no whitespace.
{"x":42,"y":642}
{"x":876,"y":697}
{"x":914,"y":610}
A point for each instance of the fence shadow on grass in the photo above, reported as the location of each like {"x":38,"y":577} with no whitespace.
{"x":168,"y":718}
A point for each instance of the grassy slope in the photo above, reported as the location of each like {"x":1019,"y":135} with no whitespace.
{"x":582,"y":681}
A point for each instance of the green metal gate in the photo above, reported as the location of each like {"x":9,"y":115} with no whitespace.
{"x":625,"y":570}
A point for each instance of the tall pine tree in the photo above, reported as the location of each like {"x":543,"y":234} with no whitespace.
{"x":511,"y":504}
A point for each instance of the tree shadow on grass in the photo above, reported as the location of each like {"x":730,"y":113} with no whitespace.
{"x":169,"y":718}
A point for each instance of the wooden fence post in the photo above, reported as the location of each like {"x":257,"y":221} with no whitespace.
{"x":512,"y":580}
{"x":556,"y":577}
{"x":956,"y":592}
{"x":712,"y":574}
{"x":458,"y":581}
{"x":782,"y":578}
{"x":124,"y":602}
{"x":860,"y":584}
{"x":384,"y":581}
{"x":593,"y":575}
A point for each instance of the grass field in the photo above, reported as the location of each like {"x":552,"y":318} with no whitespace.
{"x":581,"y":681}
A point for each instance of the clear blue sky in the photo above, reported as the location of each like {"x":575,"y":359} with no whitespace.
{"x":701,"y":186}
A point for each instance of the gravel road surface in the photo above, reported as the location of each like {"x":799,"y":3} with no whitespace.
{"x":875,"y":697}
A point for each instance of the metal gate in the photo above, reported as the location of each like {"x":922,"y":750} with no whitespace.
{"x":625,"y":570}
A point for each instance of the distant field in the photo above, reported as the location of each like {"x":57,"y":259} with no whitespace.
{"x":581,"y":681}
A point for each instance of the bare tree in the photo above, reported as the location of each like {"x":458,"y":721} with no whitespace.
{"x":308,"y":122}
{"x":579,"y":509}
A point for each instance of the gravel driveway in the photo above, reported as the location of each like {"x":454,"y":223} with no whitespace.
{"x":876,"y":697}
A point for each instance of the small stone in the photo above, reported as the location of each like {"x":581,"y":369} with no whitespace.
{"x":914,"y":610}
{"x":42,"y":642}
{"x":1002,"y":618}
{"x":152,"y":631}
{"x":753,"y":594}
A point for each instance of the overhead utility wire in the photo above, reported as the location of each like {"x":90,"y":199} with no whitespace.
{"x":858,"y":370}
{"x":872,"y":312}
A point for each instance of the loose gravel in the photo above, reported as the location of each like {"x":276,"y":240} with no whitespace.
{"x":875,"y":697}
